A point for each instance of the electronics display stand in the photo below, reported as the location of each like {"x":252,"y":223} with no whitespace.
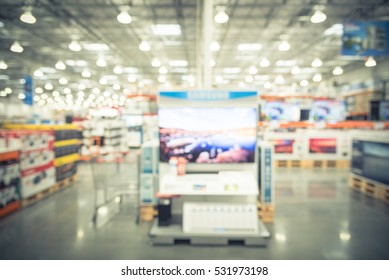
{"x":209,"y":205}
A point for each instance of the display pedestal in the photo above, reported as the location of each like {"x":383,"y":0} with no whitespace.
{"x":173,"y":234}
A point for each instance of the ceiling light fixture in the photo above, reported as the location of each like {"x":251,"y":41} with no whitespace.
{"x":318,"y":17}
{"x":96,"y":47}
{"x":279,"y":80}
{"x":21,"y":96}
{"x":118,"y":70}
{"x":317,"y":77}
{"x":131,"y":79}
{"x":304,"y":83}
{"x":101,"y":62}
{"x":16,"y":47}
{"x":103,"y":81}
{"x":156,"y":62}
{"x":60,"y":65}
{"x":221,"y":16}
{"x":296,"y":70}
{"x":124,"y":17}
{"x":264,"y":62}
{"x":74,"y":46}
{"x":28,"y":17}
{"x":178,"y":63}
{"x":317,"y":62}
{"x":166,"y":29}
{"x":214,"y":46}
{"x":337,"y":71}
{"x":63,"y":81}
{"x":86,"y":73}
{"x":38,"y":90}
{"x":144,"y":46}
{"x":219,"y":79}
{"x":163,"y":70}
{"x":116,"y":87}
{"x":38,"y":73}
{"x":212,"y":63}
{"x":268,"y":85}
{"x":162,"y":79}
{"x":370,"y":62}
{"x":284,"y":46}
{"x":253,"y":70}
{"x":3,"y":65}
{"x":249,"y":79}
{"x":81,"y":86}
{"x":49,"y":86}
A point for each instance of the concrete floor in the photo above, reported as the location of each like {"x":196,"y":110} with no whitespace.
{"x":317,"y":217}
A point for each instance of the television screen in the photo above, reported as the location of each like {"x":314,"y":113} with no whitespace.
{"x":322,"y":145}
{"x":304,"y":114}
{"x":208,"y":135}
{"x":328,"y":110}
{"x":282,"y":111}
{"x":283,"y":146}
{"x":384,"y":110}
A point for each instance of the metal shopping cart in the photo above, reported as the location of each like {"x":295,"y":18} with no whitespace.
{"x":116,"y":185}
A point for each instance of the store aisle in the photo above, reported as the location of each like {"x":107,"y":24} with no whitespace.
{"x":317,"y":217}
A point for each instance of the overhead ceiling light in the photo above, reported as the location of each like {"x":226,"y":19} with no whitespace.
{"x":219,"y":79}
{"x":279,"y":80}
{"x":116,"y":87}
{"x":318,"y":17}
{"x":337,"y":71}
{"x":16,"y":47}
{"x":370,"y":62}
{"x":49,"y":86}
{"x":80,"y":63}
{"x":284,"y":46}
{"x":3,"y":65}
{"x":124,"y":17}
{"x":178,"y":63}
{"x":56,"y":93}
{"x":212,"y":63}
{"x":264,"y":62}
{"x":317,"y":77}
{"x":2,"y":93}
{"x":336,"y":29}
{"x":179,"y":70}
{"x":191,"y":79}
{"x":63,"y":81}
{"x":118,"y":70}
{"x":60,"y":65}
{"x":96,"y":90}
{"x":144,"y":46}
{"x":253,"y":70}
{"x":163,"y":70}
{"x":261,"y":77}
{"x":96,"y":47}
{"x":268,"y":85}
{"x":81,"y":86}
{"x":156,"y":62}
{"x":317,"y":62}
{"x":249,"y":47}
{"x":232,"y":70}
{"x":39,"y":90}
{"x":74,"y":46}
{"x":286,"y":63}
{"x":221,"y":17}
{"x":162,"y":79}
{"x":249,"y":79}
{"x":67,"y":91}
{"x":130,"y":70}
{"x":28,"y":17}
{"x":101,"y":62}
{"x":214,"y":46}
{"x":304,"y":83}
{"x":131,"y":79}
{"x":86,"y":73}
{"x":166,"y":29}
{"x":38,"y":73}
{"x":8,"y":90}
{"x":103,"y":81}
{"x":296,"y":70}
{"x":21,"y":96}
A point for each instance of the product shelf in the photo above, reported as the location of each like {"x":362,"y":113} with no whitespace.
{"x":66,"y":159}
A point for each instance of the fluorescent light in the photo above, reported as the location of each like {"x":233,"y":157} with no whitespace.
{"x":49,"y":86}
{"x":74,"y":46}
{"x":60,"y":65}
{"x":249,"y":79}
{"x":219,"y":79}
{"x":130,"y":70}
{"x":317,"y":62}
{"x":21,"y":96}
{"x":279,"y":80}
{"x":232,"y":70}
{"x":3,"y":65}
{"x":118,"y":70}
{"x":131,"y":79}
{"x":124,"y":17}
{"x":163,"y":70}
{"x":39,"y":90}
{"x":370,"y":62}
{"x":214,"y":46}
{"x":249,"y":47}
{"x":8,"y":90}
{"x":304,"y":83}
{"x":296,"y":70}
{"x":116,"y":87}
{"x":63,"y":81}
{"x":144,"y":46}
{"x":80,"y":63}
{"x":162,"y":79}
{"x":264,"y":62}
{"x":253,"y":70}
{"x":81,"y":86}
{"x":178,"y":63}
{"x":86,"y":73}
{"x":101,"y":62}
{"x":156,"y":62}
{"x":337,"y":71}
{"x":38,"y":73}
{"x":261,"y":77}
{"x":166,"y":29}
{"x":28,"y":17}
{"x":221,"y":17}
{"x":179,"y":70}
{"x":336,"y":29}
{"x":212,"y":63}
{"x":16,"y":47}
{"x":284,"y":46}
{"x":96,"y":47}
{"x":286,"y":63}
{"x":317,"y":77}
{"x":318,"y":17}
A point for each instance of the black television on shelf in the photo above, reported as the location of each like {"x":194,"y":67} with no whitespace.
{"x":208,"y":135}
{"x":304,"y":114}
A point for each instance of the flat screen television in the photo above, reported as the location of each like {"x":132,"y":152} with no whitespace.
{"x":328,"y":110}
{"x":384,"y":111}
{"x":281,"y":111}
{"x":322,"y":145}
{"x":283,"y":146}
{"x":208,"y":135}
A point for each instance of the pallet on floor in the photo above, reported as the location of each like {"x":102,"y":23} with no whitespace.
{"x":265,"y":212}
{"x":46,"y":192}
{"x":325,"y":163}
{"x":367,"y":187}
{"x":9,"y":208}
{"x":287,"y":163}
{"x":147,"y":213}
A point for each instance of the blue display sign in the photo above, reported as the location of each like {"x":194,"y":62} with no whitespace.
{"x":28,"y":92}
{"x":365,"y":38}
{"x":211,"y":95}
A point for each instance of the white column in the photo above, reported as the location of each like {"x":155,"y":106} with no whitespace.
{"x":207,"y":38}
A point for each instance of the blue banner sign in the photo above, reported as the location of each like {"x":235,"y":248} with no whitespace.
{"x":211,"y":95}
{"x":365,"y":38}
{"x":28,"y":92}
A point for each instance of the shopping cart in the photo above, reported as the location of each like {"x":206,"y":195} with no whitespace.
{"x":116,"y":185}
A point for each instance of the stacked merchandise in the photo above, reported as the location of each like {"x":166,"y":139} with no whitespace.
{"x":66,"y":147}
